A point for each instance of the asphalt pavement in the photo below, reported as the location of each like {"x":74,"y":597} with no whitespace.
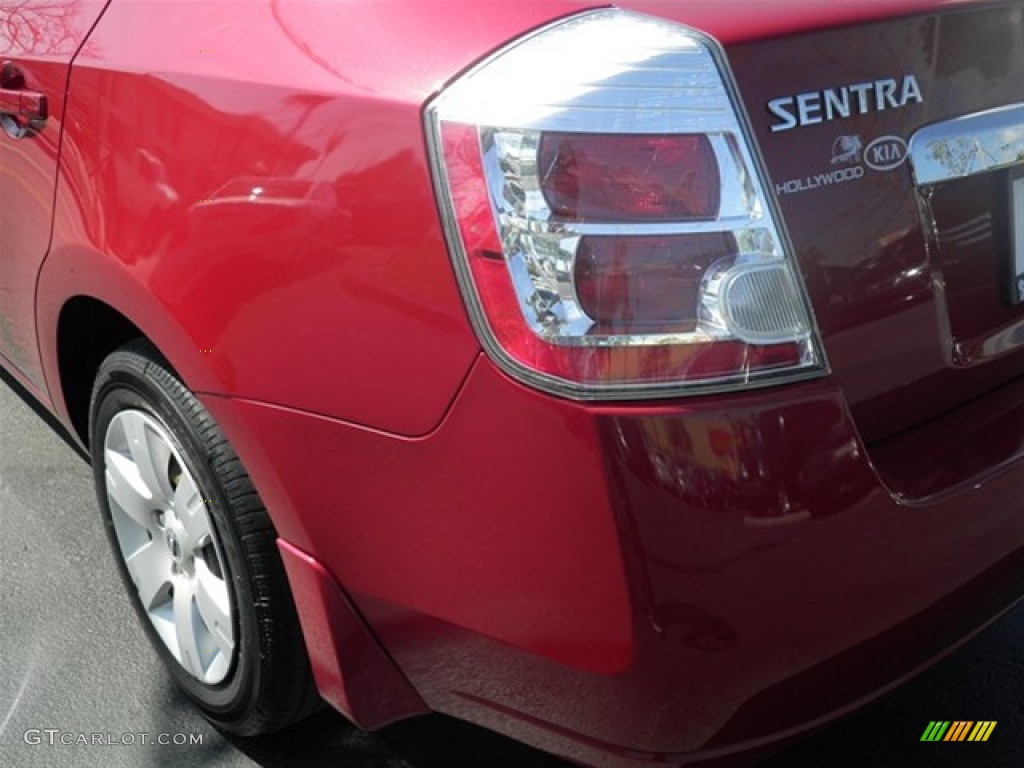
{"x":74,"y":665}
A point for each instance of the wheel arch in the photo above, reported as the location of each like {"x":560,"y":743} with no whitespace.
{"x":87,"y":305}
{"x":78,"y":333}
{"x":87,"y":331}
{"x":87,"y":298}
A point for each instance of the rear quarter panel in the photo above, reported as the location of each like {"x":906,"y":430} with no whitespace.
{"x":247,"y":182}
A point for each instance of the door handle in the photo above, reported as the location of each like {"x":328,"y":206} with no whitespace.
{"x":21,"y":110}
{"x":28,"y":105}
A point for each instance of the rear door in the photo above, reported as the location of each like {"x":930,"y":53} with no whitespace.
{"x":38,"y":39}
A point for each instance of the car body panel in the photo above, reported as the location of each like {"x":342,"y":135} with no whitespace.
{"x":892,"y":302}
{"x":441,"y":523}
{"x":347,"y":130}
{"x":332,"y":254}
{"x":757,"y":583}
{"x":39,"y":37}
{"x":248,"y":184}
{"x":352,"y":671}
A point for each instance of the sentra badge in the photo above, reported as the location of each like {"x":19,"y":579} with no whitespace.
{"x":815,"y":107}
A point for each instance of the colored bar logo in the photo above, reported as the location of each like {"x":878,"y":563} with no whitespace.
{"x":958,"y":730}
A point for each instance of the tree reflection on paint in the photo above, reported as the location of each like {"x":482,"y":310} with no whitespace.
{"x":45,"y":27}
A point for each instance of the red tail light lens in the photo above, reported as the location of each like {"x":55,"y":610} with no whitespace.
{"x":600,"y":177}
{"x":607,"y":219}
{"x":650,"y":283}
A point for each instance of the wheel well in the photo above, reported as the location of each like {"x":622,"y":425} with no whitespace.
{"x":88,"y":331}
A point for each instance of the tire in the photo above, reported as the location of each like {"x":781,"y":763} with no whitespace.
{"x":195,"y":547}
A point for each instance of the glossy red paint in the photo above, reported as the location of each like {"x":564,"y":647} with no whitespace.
{"x":39,"y":39}
{"x":280,"y":217}
{"x":352,"y":671}
{"x":476,"y":525}
{"x":898,"y":322}
{"x":247,"y":184}
{"x":767,"y":590}
{"x":737,"y":21}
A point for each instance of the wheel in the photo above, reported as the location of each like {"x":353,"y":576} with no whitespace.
{"x":196,"y":549}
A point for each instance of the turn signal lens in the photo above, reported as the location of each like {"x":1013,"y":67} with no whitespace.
{"x":607,"y":218}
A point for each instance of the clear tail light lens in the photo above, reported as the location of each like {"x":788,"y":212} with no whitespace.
{"x":607,"y":216}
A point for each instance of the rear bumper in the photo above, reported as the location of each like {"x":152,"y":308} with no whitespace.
{"x":632,"y":584}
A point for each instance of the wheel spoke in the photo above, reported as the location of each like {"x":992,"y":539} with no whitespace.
{"x":152,"y":456}
{"x":214,"y":608}
{"x":190,"y":510}
{"x":185,"y":626}
{"x":150,"y":569}
{"x":125,"y":493}
{"x":169,"y":544}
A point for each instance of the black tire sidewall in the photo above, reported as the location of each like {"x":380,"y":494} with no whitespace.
{"x":122,"y":386}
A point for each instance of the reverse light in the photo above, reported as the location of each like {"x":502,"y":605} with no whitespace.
{"x":607,"y":217}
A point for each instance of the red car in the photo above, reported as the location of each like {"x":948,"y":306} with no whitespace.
{"x":644,"y":382}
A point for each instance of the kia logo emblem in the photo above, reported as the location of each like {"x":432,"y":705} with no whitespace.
{"x":885,"y":153}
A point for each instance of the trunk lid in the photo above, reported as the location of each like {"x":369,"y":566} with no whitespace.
{"x":911,"y":284}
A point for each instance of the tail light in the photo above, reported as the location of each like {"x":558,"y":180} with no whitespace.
{"x":607,"y":216}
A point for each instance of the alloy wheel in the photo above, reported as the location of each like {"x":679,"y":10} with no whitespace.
{"x":170,"y":548}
